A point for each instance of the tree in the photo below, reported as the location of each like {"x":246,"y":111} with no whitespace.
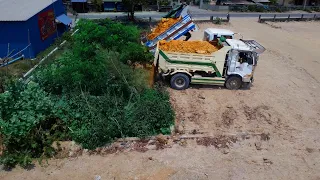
{"x":130,"y":6}
{"x":98,"y":4}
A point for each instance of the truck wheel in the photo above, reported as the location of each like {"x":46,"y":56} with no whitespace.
{"x":180,"y":81}
{"x":233,"y":82}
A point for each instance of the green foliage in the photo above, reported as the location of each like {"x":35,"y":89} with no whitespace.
{"x":316,"y":8}
{"x":97,"y":4}
{"x":135,"y":53}
{"x":309,"y":10}
{"x":130,"y":6}
{"x":150,"y":114}
{"x":94,"y":120}
{"x":112,"y":36}
{"x":28,"y":124}
{"x":217,"y":20}
{"x":273,"y":2}
{"x":256,"y":8}
{"x":89,"y":94}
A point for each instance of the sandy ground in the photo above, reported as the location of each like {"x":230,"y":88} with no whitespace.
{"x":284,"y":102}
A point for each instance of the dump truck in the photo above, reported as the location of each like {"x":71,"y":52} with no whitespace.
{"x":175,"y":31}
{"x":231,"y":66}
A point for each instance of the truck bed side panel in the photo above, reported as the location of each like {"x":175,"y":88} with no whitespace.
{"x":194,"y":62}
{"x":174,"y":32}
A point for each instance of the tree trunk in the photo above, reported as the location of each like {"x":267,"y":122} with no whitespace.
{"x":132,"y":13}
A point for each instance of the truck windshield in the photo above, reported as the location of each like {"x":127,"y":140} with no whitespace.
{"x":246,"y":57}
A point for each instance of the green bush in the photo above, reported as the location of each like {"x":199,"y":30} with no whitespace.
{"x":217,"y":20}
{"x":28,"y":124}
{"x":94,"y":120}
{"x":317,"y":9}
{"x":135,"y":53}
{"x":102,"y":73}
{"x":244,"y":9}
{"x":150,"y":114}
{"x":308,"y":10}
{"x":89,"y":94}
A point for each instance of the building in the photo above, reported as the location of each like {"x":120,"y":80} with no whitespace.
{"x":113,"y":5}
{"x":80,"y":6}
{"x":29,"y":27}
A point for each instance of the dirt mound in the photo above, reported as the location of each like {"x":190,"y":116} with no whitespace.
{"x":218,"y":142}
{"x":162,"y":26}
{"x":228,"y":116}
{"x":200,"y":47}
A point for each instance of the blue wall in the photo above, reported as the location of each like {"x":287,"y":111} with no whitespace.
{"x":16,"y":33}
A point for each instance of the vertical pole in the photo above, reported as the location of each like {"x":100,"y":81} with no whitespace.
{"x":315,"y":17}
{"x":228,"y":17}
{"x":259,"y":18}
{"x":211,"y":18}
{"x":289,"y":17}
{"x":158,"y":5}
{"x":304,"y":4}
{"x":301,"y":17}
{"x":149,"y":19}
{"x":201,"y":3}
{"x":274,"y":18}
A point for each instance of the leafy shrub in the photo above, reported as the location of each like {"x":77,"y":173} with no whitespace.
{"x":150,"y":114}
{"x":28,"y":124}
{"x":94,"y":120}
{"x":308,"y":10}
{"x":102,"y":73}
{"x":71,"y":73}
{"x":217,"y":20}
{"x":244,"y":9}
{"x":135,"y":53}
{"x":317,"y":9}
{"x":88,"y":94}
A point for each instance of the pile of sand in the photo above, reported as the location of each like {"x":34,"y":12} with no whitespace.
{"x":200,"y":47}
{"x":162,"y":26}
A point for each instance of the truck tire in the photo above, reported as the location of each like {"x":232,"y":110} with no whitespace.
{"x":180,"y":81}
{"x":234,"y":82}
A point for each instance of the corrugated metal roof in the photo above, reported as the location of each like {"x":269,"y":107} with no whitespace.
{"x":21,"y":10}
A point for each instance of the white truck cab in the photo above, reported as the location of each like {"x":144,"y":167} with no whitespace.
{"x":243,"y":58}
{"x":211,"y":34}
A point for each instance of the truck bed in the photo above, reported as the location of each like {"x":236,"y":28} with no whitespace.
{"x":174,"y":32}
{"x":192,"y":62}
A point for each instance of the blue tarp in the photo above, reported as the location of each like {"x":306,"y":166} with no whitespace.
{"x":82,"y":1}
{"x":64,"y":19}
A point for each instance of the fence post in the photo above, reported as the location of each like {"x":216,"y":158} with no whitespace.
{"x":301,"y":17}
{"x":274,"y":18}
{"x":259,"y":18}
{"x":149,"y":19}
{"x":228,"y":17}
{"x":289,"y":17}
{"x":315,"y":17}
{"x":211,"y":18}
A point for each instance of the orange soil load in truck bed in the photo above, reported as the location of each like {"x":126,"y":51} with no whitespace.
{"x":162,"y":26}
{"x":200,"y":47}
